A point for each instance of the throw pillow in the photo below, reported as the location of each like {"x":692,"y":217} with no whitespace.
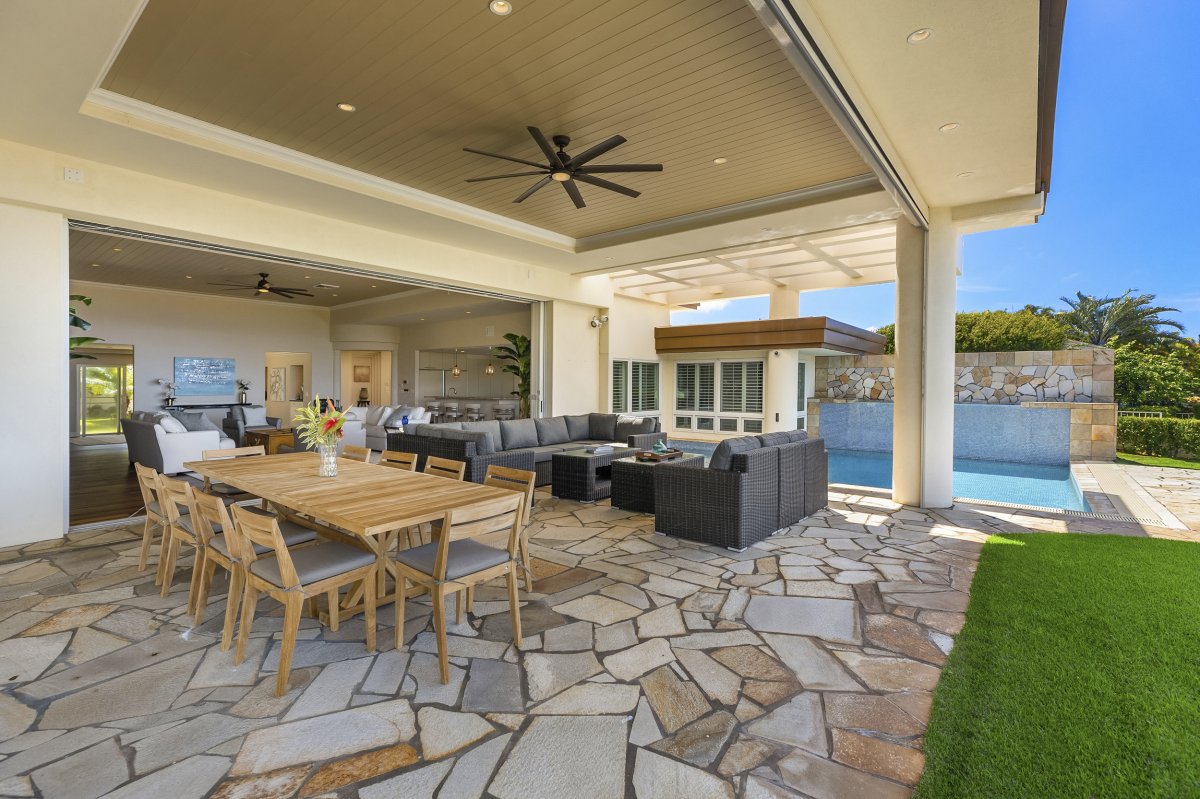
{"x":483,"y":442}
{"x":170,"y":424}
{"x":552,"y":430}
{"x":256,"y":416}
{"x":518,"y":433}
{"x":634,"y":425}
{"x":722,"y":457}
{"x":396,"y":418}
{"x":602,"y":426}
{"x":577,"y":427}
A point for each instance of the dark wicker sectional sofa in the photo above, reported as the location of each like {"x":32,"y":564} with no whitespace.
{"x":527,"y":444}
{"x":752,"y":487}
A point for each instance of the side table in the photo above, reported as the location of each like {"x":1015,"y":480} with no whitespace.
{"x":633,"y":480}
{"x":584,"y":476}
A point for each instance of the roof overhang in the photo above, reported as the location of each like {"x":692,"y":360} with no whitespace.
{"x":818,"y":335}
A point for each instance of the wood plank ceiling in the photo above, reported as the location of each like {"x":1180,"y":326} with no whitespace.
{"x":685,"y":81}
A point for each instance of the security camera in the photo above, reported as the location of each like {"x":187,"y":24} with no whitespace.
{"x":595,"y":321}
{"x":604,"y":319}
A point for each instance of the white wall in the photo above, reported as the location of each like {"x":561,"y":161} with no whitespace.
{"x":573,"y":368}
{"x":33,"y":309}
{"x":629,"y":335}
{"x":163,"y":324}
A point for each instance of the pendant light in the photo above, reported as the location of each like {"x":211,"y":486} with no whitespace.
{"x":456,"y":371}
{"x":489,"y":370}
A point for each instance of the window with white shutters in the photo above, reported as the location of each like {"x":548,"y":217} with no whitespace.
{"x":620,"y":386}
{"x":694,"y":386}
{"x":643,"y":386}
{"x":742,"y":387}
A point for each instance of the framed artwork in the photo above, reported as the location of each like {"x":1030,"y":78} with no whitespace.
{"x":276,"y":378}
{"x":362,"y":374}
{"x":204,"y":377}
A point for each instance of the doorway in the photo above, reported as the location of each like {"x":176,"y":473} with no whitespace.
{"x":102,"y":391}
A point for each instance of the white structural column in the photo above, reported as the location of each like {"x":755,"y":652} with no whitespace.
{"x":779,"y":380}
{"x":33,"y":321}
{"x":923,"y":445}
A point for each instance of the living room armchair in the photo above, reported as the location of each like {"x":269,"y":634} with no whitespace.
{"x":248,"y":417}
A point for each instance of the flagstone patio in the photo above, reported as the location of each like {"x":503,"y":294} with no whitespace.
{"x":652,"y":667}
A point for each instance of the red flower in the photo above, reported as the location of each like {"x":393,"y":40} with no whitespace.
{"x":329,"y":425}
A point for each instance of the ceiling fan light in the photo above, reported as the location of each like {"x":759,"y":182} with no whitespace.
{"x":501,"y":8}
{"x":560,"y":176}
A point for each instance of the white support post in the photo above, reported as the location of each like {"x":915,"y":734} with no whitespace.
{"x":942,"y":259}
{"x":33,"y":320}
{"x":907,"y":463}
{"x":779,"y":389}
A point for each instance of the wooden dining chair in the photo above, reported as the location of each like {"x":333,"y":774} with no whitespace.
{"x":228,"y":492}
{"x":444,"y":467}
{"x":177,"y":502}
{"x":294,"y":576}
{"x":156,"y":518}
{"x":223,"y":547}
{"x":522,"y":481}
{"x":356,"y":453}
{"x":406,"y":461}
{"x":455,"y":562}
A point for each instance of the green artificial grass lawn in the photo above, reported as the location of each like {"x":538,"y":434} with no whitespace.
{"x":1154,"y":460}
{"x":1077,"y":673}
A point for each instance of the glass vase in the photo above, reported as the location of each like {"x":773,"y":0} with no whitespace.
{"x":328,"y":455}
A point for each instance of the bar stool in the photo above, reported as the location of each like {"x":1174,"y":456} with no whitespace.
{"x":505,"y":411}
{"x":435,"y":411}
{"x":451,"y":413}
{"x":472,"y":412}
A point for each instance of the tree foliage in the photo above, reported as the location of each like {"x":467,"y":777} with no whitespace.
{"x":998,"y":331}
{"x":1149,"y":378}
{"x":75,"y":320}
{"x":520,"y":358}
{"x":1113,"y":321}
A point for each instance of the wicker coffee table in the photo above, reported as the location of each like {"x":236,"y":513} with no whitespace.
{"x":584,"y":476}
{"x":633,"y":480}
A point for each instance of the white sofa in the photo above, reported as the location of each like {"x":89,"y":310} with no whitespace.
{"x":379,"y":420}
{"x":151,"y":445}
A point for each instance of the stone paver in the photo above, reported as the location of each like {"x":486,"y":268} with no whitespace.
{"x":651,"y":666}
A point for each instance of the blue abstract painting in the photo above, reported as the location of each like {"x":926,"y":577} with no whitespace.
{"x":204,"y":377}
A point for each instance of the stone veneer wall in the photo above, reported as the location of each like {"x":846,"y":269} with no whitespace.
{"x":998,"y":378}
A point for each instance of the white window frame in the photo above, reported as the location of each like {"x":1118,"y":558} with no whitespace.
{"x":628,"y":389}
{"x":718,"y":413}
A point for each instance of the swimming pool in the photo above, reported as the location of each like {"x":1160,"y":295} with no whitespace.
{"x":1016,"y":483}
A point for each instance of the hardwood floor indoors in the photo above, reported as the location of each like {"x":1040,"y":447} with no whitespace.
{"x":103,"y":487}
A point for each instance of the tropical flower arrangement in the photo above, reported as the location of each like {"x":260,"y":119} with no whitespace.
{"x":319,"y":424}
{"x":168,"y":389}
{"x":243,"y":384}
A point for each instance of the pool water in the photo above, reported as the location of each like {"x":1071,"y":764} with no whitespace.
{"x":1017,"y":483}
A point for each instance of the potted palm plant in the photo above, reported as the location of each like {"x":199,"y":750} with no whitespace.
{"x":519,"y":357}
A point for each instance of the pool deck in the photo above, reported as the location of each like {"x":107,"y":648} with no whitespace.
{"x":652,"y":667}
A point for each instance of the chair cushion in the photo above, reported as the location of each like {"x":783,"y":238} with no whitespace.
{"x":483,"y":441}
{"x":492,"y":428}
{"x":577,"y":427}
{"x":722,"y":457}
{"x":464,"y":557}
{"x":634,"y":425}
{"x":170,"y":424}
{"x":552,"y":430}
{"x":254,"y":415}
{"x":317,"y":563}
{"x":518,"y":433}
{"x":293,"y":534}
{"x":154,"y":506}
{"x":602,"y":426}
{"x":774,"y":439}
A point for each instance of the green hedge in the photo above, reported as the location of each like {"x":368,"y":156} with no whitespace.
{"x":1165,"y":437}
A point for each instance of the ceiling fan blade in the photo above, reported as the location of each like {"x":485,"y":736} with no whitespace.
{"x":600,"y":168}
{"x":607,"y":184}
{"x":504,"y":157}
{"x":532,"y":189}
{"x":597,"y":151}
{"x":289,"y":293}
{"x":573,"y":193}
{"x":235,"y":285}
{"x":289,"y":290}
{"x":241,"y":288}
{"x":549,"y":152}
{"x":498,"y":177}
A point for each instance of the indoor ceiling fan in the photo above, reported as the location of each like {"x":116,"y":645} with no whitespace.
{"x":263,"y":287}
{"x":567,"y":169}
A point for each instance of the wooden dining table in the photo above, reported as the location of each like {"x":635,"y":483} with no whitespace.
{"x":370,"y":503}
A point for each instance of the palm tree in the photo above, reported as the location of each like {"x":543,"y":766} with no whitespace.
{"x":520,"y":355}
{"x":1112,"y":321}
{"x":74,"y":320}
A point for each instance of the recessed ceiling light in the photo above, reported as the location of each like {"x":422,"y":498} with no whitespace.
{"x":347,"y":107}
{"x":966,"y":174}
{"x":335,"y":295}
{"x":720,"y":160}
{"x":95,"y":264}
{"x":468,"y":311}
{"x":501,"y":8}
{"x":949,"y":127}
{"x":116,"y":249}
{"x":422,"y":318}
{"x":374,"y":286}
{"x":189,"y":277}
{"x":920,"y":35}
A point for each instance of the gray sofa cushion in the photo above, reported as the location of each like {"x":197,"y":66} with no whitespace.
{"x":797,"y":435}
{"x":196,"y":420}
{"x":578,"y":427}
{"x":625,"y":429}
{"x":774,"y":439}
{"x":546,"y":453}
{"x":552,"y":430}
{"x":256,"y":416}
{"x":722,"y":457}
{"x":491,"y":427}
{"x":436,"y":430}
{"x":518,"y":433}
{"x":483,"y":442}
{"x":602,"y":426}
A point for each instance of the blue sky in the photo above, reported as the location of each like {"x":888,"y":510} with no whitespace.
{"x":1125,"y":196}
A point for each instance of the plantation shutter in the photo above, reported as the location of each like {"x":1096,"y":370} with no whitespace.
{"x":742,"y":387}
{"x":705,"y":386}
{"x":644,"y":380}
{"x":754,"y":387}
{"x":620,"y":386}
{"x":731,"y":387}
{"x":685,"y":386}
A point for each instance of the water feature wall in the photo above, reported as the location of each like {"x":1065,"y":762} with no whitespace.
{"x":1008,"y":433}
